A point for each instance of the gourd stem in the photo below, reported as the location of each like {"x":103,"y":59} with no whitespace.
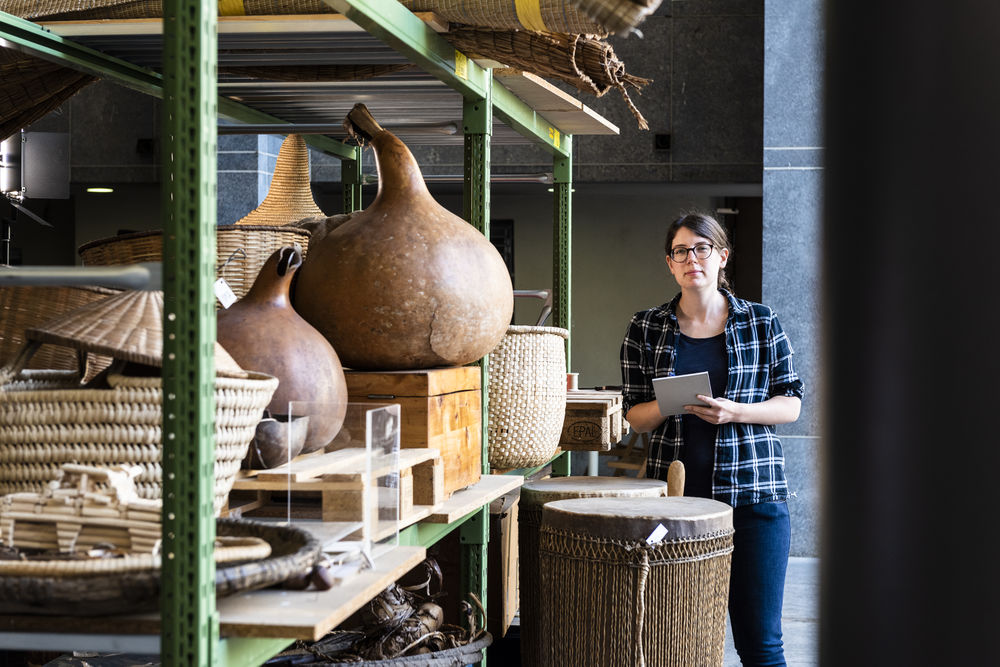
{"x":361,"y":124}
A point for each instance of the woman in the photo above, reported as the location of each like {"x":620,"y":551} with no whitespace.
{"x":727,"y":442}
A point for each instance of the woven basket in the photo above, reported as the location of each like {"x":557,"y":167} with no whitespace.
{"x":258,"y":242}
{"x":294,"y":552}
{"x":24,"y":307}
{"x":527,"y":396}
{"x":46,"y":420}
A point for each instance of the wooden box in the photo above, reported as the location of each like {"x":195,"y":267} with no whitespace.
{"x":441,"y":408}
{"x":593,"y":421}
{"x":502,"y":573}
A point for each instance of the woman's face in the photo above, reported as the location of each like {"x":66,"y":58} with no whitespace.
{"x":692,"y":272}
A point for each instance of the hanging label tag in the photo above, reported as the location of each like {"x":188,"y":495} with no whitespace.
{"x":657,"y":535}
{"x":224,"y":293}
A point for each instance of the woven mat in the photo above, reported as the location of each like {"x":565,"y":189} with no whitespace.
{"x":31,"y":87}
{"x":540,"y":15}
{"x":616,"y":16}
{"x":587,"y":63}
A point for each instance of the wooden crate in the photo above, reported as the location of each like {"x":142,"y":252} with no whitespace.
{"x":593,"y":421}
{"x":332,"y":487}
{"x":441,"y":408}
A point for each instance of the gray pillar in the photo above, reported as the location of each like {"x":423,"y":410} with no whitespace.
{"x":793,"y":72}
{"x":246,"y":164}
{"x":909,"y":571}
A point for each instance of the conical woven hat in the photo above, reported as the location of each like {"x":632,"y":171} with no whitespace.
{"x":289,"y":198}
{"x":126,"y":326}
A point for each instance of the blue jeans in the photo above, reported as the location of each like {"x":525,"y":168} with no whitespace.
{"x":757,"y":583}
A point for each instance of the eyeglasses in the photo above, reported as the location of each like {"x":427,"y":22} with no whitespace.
{"x":701,"y":251}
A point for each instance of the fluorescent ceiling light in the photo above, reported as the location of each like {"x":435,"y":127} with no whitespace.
{"x":100,"y":190}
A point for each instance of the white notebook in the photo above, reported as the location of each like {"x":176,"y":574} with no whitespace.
{"x":676,"y":391}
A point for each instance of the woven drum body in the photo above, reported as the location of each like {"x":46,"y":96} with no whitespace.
{"x":257,"y":243}
{"x":610,"y":599}
{"x":529,"y":517}
{"x":46,"y":420}
{"x":527,"y":396}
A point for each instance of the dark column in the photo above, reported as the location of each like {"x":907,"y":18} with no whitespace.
{"x":910,"y":241}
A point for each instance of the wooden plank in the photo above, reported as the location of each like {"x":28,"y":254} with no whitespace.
{"x":558,"y":107}
{"x":343,"y":461}
{"x":311,"y":614}
{"x":425,"y":382}
{"x":306,"y":485}
{"x":477,"y":495}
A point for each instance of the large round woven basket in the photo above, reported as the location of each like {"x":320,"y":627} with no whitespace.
{"x":47,"y":419}
{"x":24,"y":306}
{"x":241,"y":250}
{"x":114,"y":590}
{"x":527,"y":396}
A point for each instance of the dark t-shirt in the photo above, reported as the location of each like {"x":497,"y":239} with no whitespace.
{"x":695,"y":355}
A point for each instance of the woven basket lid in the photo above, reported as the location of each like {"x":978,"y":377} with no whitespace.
{"x":565,"y":488}
{"x":289,"y":198}
{"x":126,"y":326}
{"x":634,"y":519}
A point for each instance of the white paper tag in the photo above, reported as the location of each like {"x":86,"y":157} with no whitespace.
{"x":657,"y":535}
{"x":224,"y":293}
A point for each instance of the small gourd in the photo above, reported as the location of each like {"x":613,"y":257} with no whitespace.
{"x":263,"y":332}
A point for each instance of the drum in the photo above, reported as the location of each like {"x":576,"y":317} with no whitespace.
{"x":634,"y":581}
{"x":529,"y":518}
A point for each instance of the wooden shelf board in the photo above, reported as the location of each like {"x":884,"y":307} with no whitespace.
{"x":584,"y":447}
{"x":470,"y":499}
{"x":558,"y":107}
{"x":311,"y":614}
{"x":269,"y":613}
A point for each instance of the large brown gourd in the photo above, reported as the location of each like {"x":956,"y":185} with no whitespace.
{"x":263,"y":333}
{"x":404,"y":284}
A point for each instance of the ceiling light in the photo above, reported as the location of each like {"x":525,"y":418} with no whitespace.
{"x":101,"y":190}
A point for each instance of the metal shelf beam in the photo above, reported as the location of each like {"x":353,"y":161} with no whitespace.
{"x":27,"y":37}
{"x":401,"y":29}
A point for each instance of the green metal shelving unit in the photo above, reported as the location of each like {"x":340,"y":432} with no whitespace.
{"x":190,"y":628}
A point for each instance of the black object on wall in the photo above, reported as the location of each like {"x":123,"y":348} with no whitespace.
{"x":909,"y":565}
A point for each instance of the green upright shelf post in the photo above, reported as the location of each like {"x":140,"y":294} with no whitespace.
{"x":562,"y":246}
{"x":477,"y":121}
{"x":189,"y":620}
{"x":350,"y":178}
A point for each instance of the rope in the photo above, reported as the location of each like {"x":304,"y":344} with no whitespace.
{"x":640,"y":615}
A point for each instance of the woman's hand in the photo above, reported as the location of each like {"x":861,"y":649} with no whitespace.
{"x":717,"y":411}
{"x":775,"y":410}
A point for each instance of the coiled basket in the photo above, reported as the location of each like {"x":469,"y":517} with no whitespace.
{"x":47,"y":419}
{"x":527,"y":396}
{"x":241,"y":250}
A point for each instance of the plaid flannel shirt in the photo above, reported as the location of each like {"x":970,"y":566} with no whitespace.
{"x":749,"y":466}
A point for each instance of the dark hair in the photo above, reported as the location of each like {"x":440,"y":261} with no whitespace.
{"x":707,"y":227}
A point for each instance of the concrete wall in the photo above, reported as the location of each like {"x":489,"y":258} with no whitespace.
{"x":793,"y":69}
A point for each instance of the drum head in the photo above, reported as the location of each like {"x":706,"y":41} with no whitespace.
{"x":564,"y":488}
{"x":635,"y":519}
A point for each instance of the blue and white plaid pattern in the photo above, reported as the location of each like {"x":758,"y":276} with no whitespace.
{"x":749,"y":466}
